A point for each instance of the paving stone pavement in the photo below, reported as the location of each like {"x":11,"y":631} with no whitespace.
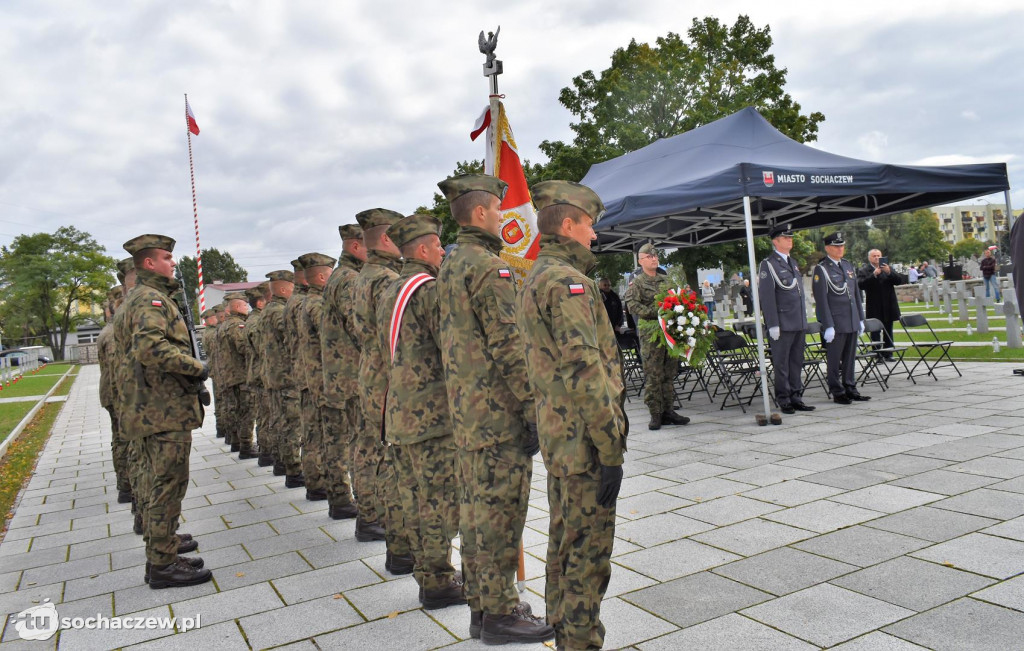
{"x":892,"y":524}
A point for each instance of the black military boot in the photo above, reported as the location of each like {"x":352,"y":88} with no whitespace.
{"x":250,"y":452}
{"x":220,"y":434}
{"x":186,"y":546}
{"x":342,"y":511}
{"x":279,"y":470}
{"x":266,"y":460}
{"x":655,"y":422}
{"x":519,"y":626}
{"x":450,"y":595}
{"x":368,"y":531}
{"x":177,"y":574}
{"x":137,"y":527}
{"x":476,"y":618}
{"x":672,"y":418}
{"x":124,"y":497}
{"x":294,"y":481}
{"x":316,"y":494}
{"x":194,"y":561}
{"x":235,"y":447}
{"x":399,"y":565}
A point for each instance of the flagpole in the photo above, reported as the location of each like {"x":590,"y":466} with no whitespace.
{"x":195,"y":213}
{"x":492,"y":68}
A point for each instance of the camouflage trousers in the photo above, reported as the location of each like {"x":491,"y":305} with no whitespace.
{"x":136,"y":477}
{"x":229,"y":408}
{"x":580,"y":537}
{"x":430,"y":506}
{"x":312,"y":441}
{"x":495,"y":492}
{"x":222,"y":418}
{"x":337,"y":441}
{"x":261,"y":413}
{"x":119,"y":452}
{"x":660,"y":371}
{"x":389,"y":505}
{"x":291,"y":430}
{"x":367,"y":458}
{"x":275,"y":423}
{"x":165,"y":462}
{"x":246,"y":417}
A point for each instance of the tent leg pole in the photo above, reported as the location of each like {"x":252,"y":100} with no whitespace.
{"x":757,"y":305}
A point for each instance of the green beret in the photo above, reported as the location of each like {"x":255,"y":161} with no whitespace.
{"x":282,"y":274}
{"x":457,"y":186}
{"x":297,"y":265}
{"x":235,"y":296}
{"x":409,"y":228}
{"x":549,"y":193}
{"x":310,"y":260}
{"x":648,"y":248}
{"x":377,"y":217}
{"x":149,"y":241}
{"x":350,"y":231}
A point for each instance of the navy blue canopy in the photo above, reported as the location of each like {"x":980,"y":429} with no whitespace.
{"x":688,"y":190}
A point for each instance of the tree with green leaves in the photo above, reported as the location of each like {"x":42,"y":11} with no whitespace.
{"x":49,"y":284}
{"x":967,"y":248}
{"x":218,"y":267}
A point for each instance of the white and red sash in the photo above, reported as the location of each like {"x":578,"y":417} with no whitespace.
{"x":402,"y":302}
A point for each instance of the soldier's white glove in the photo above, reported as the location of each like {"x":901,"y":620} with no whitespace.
{"x":861,"y":327}
{"x":830,"y":334}
{"x":774,"y":333}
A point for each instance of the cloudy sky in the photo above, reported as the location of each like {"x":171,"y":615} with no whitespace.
{"x":312,"y":111}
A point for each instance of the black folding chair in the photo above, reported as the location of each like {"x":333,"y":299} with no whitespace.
{"x":814,"y":357}
{"x":736,"y":368}
{"x":870,"y":354}
{"x":632,"y":362}
{"x":939,"y":350}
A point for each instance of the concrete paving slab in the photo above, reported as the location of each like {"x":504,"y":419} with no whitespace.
{"x":1008,"y":593}
{"x":1001,"y":505}
{"x":999,"y":558}
{"x":823,"y":516}
{"x":675,"y":559}
{"x":752,"y":536}
{"x":877,"y":641}
{"x":696,"y":598}
{"x":945,"y":482}
{"x":887,"y":498}
{"x":929,"y":523}
{"x":911,"y":583}
{"x":661,"y":528}
{"x":784,"y":570}
{"x":861,"y":546}
{"x":298,"y":622}
{"x":963,"y":624}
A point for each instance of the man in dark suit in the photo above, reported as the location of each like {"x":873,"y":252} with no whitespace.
{"x":878,"y":282}
{"x":838,"y":309}
{"x":781,"y":294}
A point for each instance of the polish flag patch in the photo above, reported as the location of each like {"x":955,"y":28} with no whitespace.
{"x":504,"y":273}
{"x":575,"y":288}
{"x":157,"y":303}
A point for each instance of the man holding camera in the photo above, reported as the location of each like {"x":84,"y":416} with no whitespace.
{"x":878,"y":281}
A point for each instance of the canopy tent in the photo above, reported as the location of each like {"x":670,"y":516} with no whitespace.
{"x":737,"y":176}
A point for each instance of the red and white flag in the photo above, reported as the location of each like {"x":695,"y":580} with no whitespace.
{"x":519,"y":220}
{"x":193,"y":126}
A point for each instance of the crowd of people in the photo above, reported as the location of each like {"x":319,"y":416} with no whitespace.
{"x":409,"y":394}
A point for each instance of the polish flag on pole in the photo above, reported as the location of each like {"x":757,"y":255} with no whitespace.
{"x":193,"y":126}
{"x":519,"y":220}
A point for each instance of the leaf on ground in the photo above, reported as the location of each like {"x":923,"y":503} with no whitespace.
{"x":239,"y":573}
{"x":338,"y":596}
{"x":550,"y":644}
{"x":948,"y":564}
{"x":633,"y":512}
{"x":393,"y":614}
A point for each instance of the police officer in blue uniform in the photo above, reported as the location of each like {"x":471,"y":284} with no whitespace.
{"x":839,"y":310}
{"x":781,"y":294}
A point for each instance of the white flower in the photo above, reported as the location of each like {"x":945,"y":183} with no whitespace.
{"x":695,"y":321}
{"x":670,"y":322}
{"x":707,"y":322}
{"x":689,"y":332}
{"x":680,"y":329}
{"x":691,"y":342}
{"x":679,"y":309}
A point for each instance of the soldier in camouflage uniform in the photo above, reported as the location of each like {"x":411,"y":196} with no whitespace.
{"x":492,"y":410}
{"x":232,"y":346}
{"x":274,"y":372}
{"x":162,"y":406}
{"x":343,"y":416}
{"x":294,"y":432}
{"x":660,"y":368}
{"x":416,"y":420}
{"x":258,"y":297}
{"x":382,"y":265}
{"x":105,"y":355}
{"x":576,"y":373}
{"x":318,"y":269}
{"x":217,"y":315}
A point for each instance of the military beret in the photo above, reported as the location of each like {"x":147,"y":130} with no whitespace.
{"x":781,"y":230}
{"x":297,"y":265}
{"x":413,"y":226}
{"x":282,"y":274}
{"x":377,"y":217}
{"x":149,"y":241}
{"x":350,"y":231}
{"x":835,"y":239}
{"x":235,"y":296}
{"x":457,"y":186}
{"x":309,"y":260}
{"x":549,"y":193}
{"x":648,"y":249}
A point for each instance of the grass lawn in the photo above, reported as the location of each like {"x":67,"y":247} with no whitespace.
{"x":11,"y":414}
{"x":58,"y":368}
{"x":17,"y":465}
{"x":30,"y":385}
{"x":65,"y":385}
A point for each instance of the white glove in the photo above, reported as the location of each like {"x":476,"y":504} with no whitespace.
{"x":861,"y":327}
{"x":774,"y":333}
{"x":830,"y":334}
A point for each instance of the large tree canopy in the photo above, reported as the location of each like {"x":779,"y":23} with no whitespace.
{"x":48,"y":285}
{"x":217,"y":267}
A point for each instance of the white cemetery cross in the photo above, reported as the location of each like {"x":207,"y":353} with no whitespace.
{"x":981,"y":305}
{"x":1012,"y":322}
{"x":947,"y":297}
{"x":961,"y":300}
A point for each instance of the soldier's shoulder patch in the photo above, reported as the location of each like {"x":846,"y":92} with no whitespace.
{"x":156,"y":303}
{"x":764,"y":274}
{"x":576,"y":288}
{"x":241,"y":325}
{"x":816,"y":277}
{"x":504,"y":273}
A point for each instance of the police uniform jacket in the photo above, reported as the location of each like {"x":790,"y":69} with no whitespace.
{"x":781,"y":293}
{"x":836,"y":298}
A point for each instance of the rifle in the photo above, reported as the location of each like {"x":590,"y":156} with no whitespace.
{"x":186,"y":312}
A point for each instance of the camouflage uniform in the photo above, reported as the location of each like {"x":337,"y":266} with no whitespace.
{"x":660,"y":368}
{"x":123,"y":377}
{"x":118,"y":444}
{"x":231,"y":352}
{"x":276,"y":376}
{"x":313,"y":369}
{"x":490,"y":401}
{"x":257,"y":398}
{"x":342,"y":412}
{"x":417,"y":423}
{"x":162,"y":407}
{"x":210,"y":341}
{"x":575,"y":370}
{"x":294,"y":432}
{"x":380,"y":269}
